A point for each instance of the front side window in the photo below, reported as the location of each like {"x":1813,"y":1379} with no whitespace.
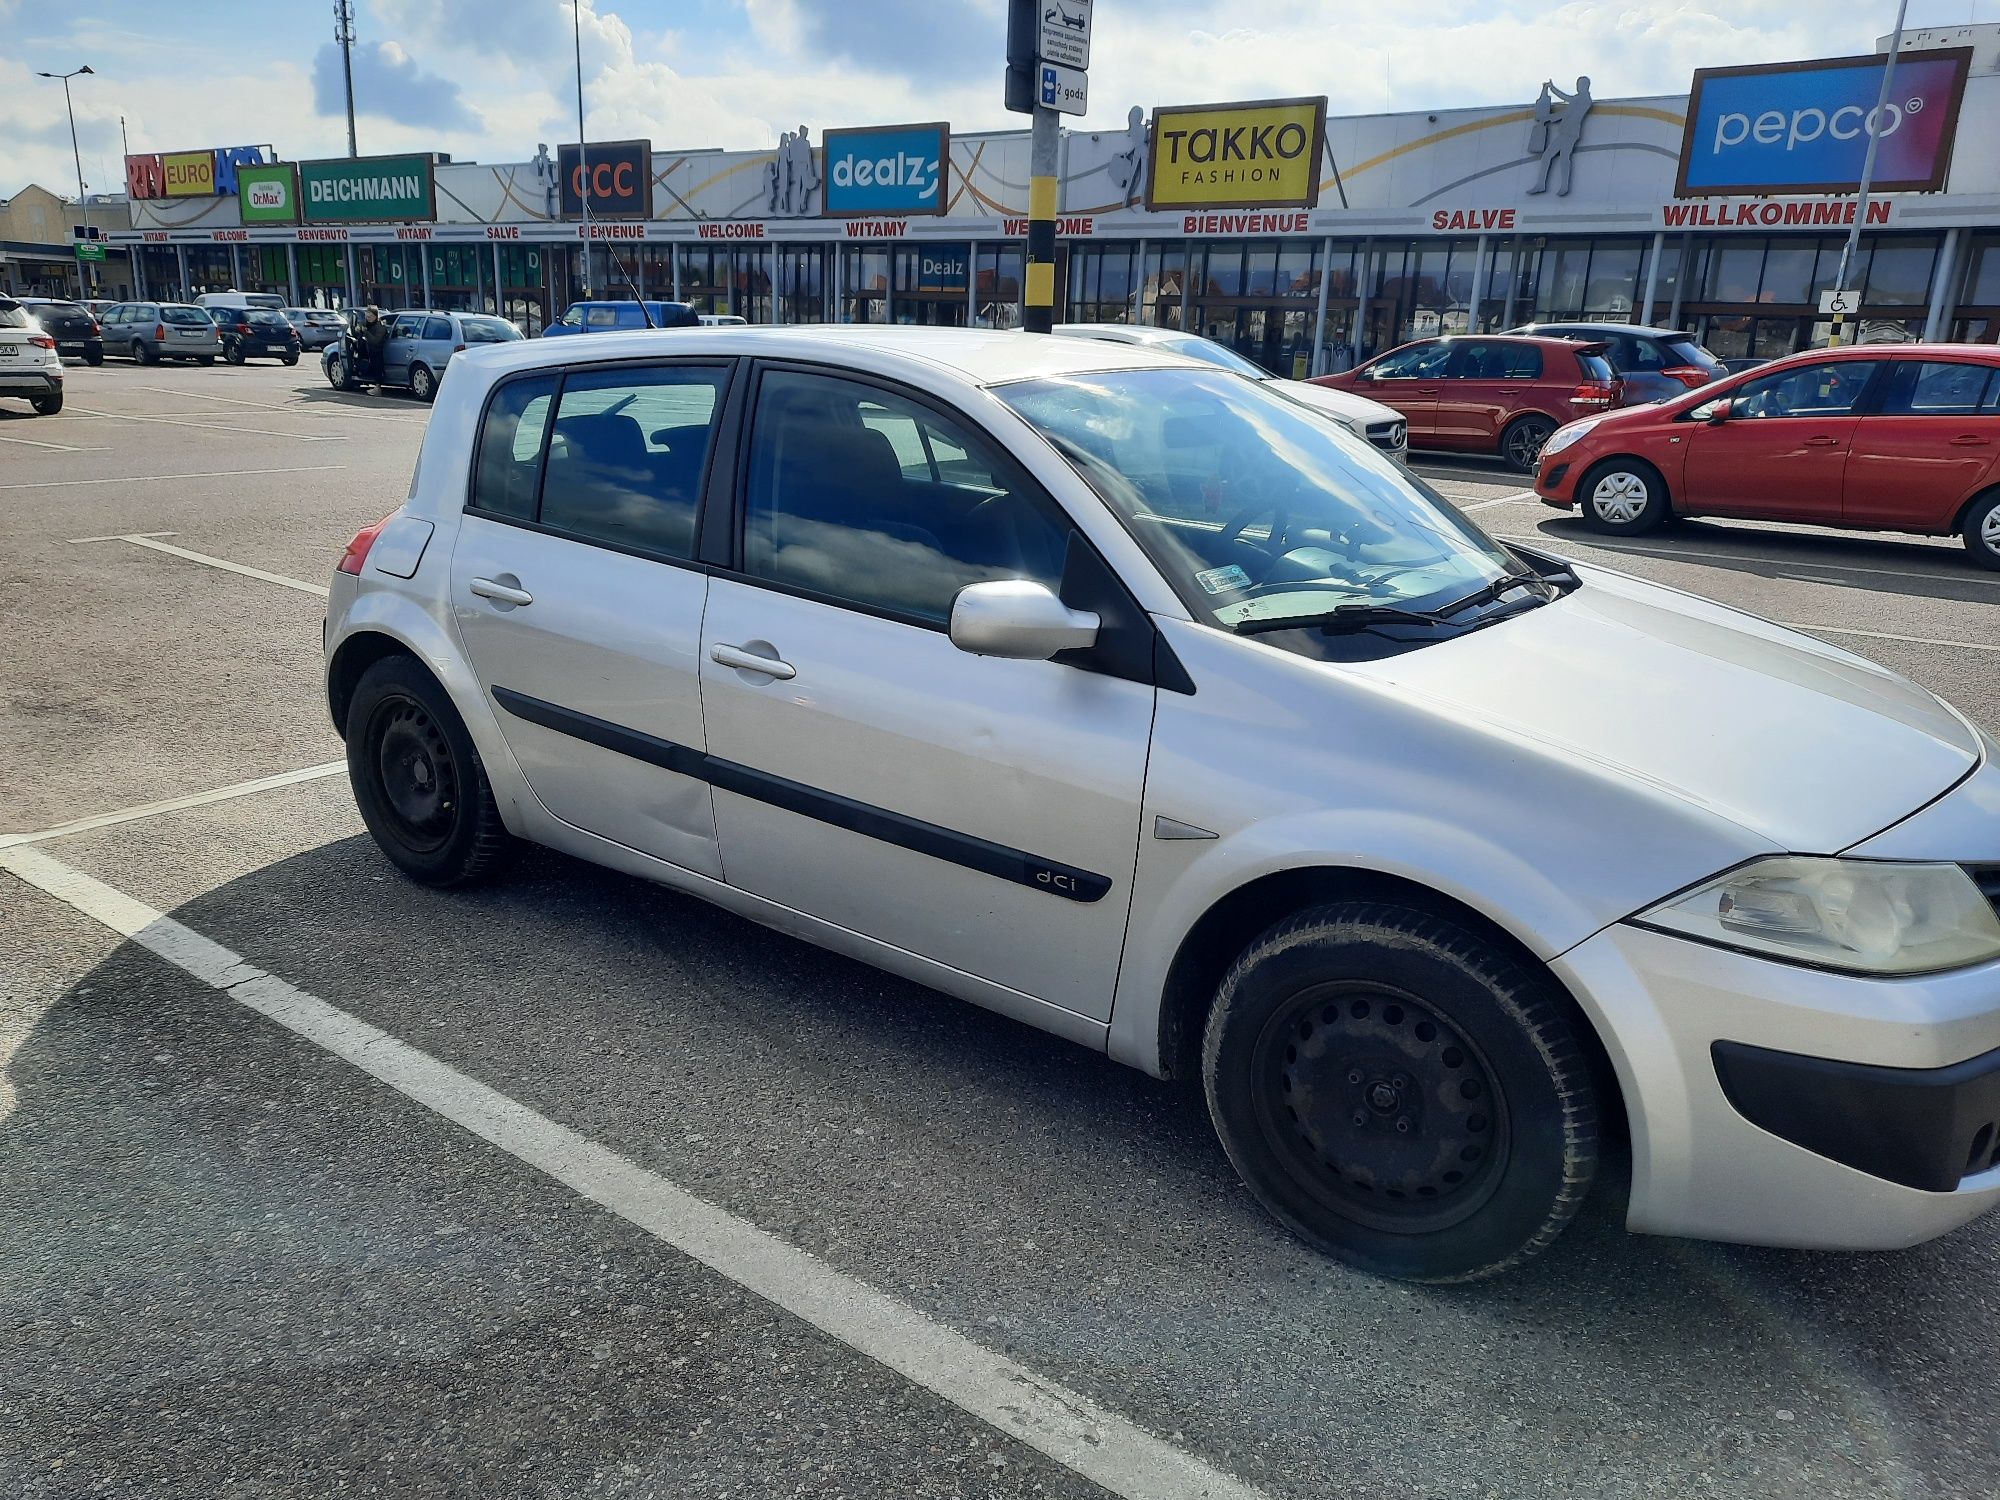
{"x":1253,"y":508}
{"x":1417,"y":362}
{"x":1927,"y":388}
{"x":627,"y":452}
{"x":864,"y":495}
{"x":510,"y":448}
{"x":573,"y":318}
{"x":406,"y":325}
{"x":1829,"y":389}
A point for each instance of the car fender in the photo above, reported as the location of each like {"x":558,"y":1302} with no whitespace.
{"x":404,"y":618}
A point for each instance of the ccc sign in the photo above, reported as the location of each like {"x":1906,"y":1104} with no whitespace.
{"x":617,"y":175}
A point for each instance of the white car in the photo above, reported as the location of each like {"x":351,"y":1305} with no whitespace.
{"x":1382,"y":426}
{"x":1124,"y":696}
{"x":30,"y":365}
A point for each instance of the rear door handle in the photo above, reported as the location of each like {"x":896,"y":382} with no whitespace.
{"x":1822,"y":442}
{"x":1968,"y":440}
{"x":750,"y":661}
{"x":501,"y":593}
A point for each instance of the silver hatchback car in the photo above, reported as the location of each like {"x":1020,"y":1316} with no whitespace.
{"x":148,"y":332}
{"x":1121,"y":695}
{"x":421,"y":344}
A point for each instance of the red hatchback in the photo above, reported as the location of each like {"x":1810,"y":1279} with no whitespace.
{"x":1901,"y":438}
{"x":1501,"y":393}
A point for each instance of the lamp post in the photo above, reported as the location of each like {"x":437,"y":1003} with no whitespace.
{"x":84,"y":287}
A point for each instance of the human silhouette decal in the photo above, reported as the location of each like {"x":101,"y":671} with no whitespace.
{"x":1557,"y":129}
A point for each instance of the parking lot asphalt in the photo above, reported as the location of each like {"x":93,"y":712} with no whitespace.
{"x":279,"y":1208}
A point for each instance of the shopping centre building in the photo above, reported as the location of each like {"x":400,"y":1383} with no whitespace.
{"x":1304,"y":240}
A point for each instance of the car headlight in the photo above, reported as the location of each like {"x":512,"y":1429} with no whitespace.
{"x":1562,"y":437}
{"x":1865,"y":916}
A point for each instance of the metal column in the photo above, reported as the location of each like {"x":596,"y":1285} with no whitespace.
{"x":1513,"y":282}
{"x":839,"y":277}
{"x":1652,"y":276}
{"x":972,"y":285}
{"x":1038,"y":289}
{"x":1359,"y":341}
{"x":181,"y":257}
{"x":292,"y":273}
{"x":352,"y":295}
{"x":1319,"y":317}
{"x":1138,"y":313}
{"x":1680,"y":281}
{"x":1943,"y":299}
{"x":424,"y":271}
{"x":235,"y":268}
{"x":1187,"y":276}
{"x":674,"y":256}
{"x":1478,"y":285}
{"x":499,"y":283}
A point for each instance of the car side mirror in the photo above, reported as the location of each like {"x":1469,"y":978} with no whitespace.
{"x":1019,"y":619}
{"x":1718,"y":414}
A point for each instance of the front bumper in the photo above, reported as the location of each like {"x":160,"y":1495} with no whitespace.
{"x":1736,"y":1152}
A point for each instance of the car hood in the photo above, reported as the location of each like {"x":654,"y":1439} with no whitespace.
{"x":1344,"y":405}
{"x":1798,"y":742}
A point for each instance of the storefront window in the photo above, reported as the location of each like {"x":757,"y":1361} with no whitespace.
{"x":1563,"y":280}
{"x":1224,"y":271}
{"x":1614,"y":283}
{"x":864,"y":285}
{"x":1298,"y":269}
{"x":1899,"y":273}
{"x":803,"y":274}
{"x":1100,"y":283}
{"x":997,"y":299}
{"x":701,"y":285}
{"x":1260,"y":271}
{"x":1161,"y":285}
{"x":1982,"y":273}
{"x":1788,"y":271}
{"x":1734,"y":269}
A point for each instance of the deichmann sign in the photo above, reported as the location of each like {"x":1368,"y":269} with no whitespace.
{"x":1262,"y":155}
{"x":268,"y":195}
{"x":367,"y":189}
{"x":621,"y":179}
{"x":189,"y":174}
{"x":889,"y":169}
{"x":1805,"y":127}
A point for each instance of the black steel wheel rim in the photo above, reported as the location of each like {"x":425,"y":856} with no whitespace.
{"x":1379,"y":1108}
{"x":1524,"y":444}
{"x":415,"y":773}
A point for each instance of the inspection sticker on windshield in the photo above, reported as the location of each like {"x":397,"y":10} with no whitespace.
{"x":1222,"y":580}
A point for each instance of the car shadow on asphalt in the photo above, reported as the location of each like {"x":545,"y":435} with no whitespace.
{"x":1012,"y":1184}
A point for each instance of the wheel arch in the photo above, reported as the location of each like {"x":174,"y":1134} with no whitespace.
{"x":1964,"y":512}
{"x":1233,"y":921}
{"x":1637,"y":460}
{"x":351,"y":659}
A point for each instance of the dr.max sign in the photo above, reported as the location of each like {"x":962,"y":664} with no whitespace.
{"x":890,"y":169}
{"x":1805,"y":127}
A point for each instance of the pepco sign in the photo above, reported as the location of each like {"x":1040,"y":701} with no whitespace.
{"x":620,"y":175}
{"x":1263,"y":155}
{"x":1805,"y":127}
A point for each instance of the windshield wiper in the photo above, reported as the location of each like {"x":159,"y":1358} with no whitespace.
{"x":1487,"y":592}
{"x":1338,"y":620}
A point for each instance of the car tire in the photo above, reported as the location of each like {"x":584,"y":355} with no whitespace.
{"x":142,"y":353}
{"x":1400,"y":1093}
{"x":1622,"y":497}
{"x":1521,"y":442}
{"x":93,"y":357}
{"x":46,"y":406}
{"x":234,"y":356}
{"x":1982,"y":530}
{"x":290,"y":360}
{"x":418,"y":779}
{"x":423,"y":384}
{"x":336,"y":373}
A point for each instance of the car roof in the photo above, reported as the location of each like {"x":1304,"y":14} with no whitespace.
{"x":1135,"y":333}
{"x":981,"y":356}
{"x":1981,"y":354}
{"x":1645,"y":330}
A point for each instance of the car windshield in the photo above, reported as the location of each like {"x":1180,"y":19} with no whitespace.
{"x":488,"y":330}
{"x":184,"y":317}
{"x":1254,"y":508}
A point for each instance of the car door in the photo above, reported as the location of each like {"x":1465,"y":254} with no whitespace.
{"x":405,"y":331}
{"x":1929,"y":442}
{"x":1410,"y":379}
{"x":1780,"y":454}
{"x":982,"y":813}
{"x":576,"y":594}
{"x":1484,"y":385}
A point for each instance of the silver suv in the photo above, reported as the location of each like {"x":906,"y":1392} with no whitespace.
{"x":1119,"y":694}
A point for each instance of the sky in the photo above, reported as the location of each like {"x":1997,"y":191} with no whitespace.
{"x":486,"y":80}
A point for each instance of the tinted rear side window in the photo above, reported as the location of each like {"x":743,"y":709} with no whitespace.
{"x":1594,"y":367}
{"x":488,"y":331}
{"x":626,"y":455}
{"x":1685,"y":351}
{"x":1927,"y":388}
{"x":12,"y":315}
{"x":437,"y":330}
{"x":510,"y":448}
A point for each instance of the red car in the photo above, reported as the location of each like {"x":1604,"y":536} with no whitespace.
{"x":1502,"y":393}
{"x":1878,"y":438}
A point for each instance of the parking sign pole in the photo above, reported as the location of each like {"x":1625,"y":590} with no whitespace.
{"x":1039,"y":310}
{"x":1867,"y":171}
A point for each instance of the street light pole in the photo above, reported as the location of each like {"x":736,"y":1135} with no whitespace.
{"x":84,"y":286}
{"x":582,"y":148}
{"x":1867,"y":171}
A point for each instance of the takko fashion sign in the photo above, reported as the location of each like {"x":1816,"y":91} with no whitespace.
{"x":367,"y":189}
{"x":1262,"y":155}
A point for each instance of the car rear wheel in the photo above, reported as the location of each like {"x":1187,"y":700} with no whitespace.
{"x":1982,"y":530}
{"x":142,"y":353}
{"x":1623,"y":496}
{"x":46,"y":406}
{"x":423,"y":384}
{"x":1521,"y":443}
{"x":417,"y":778}
{"x":1400,"y":1094}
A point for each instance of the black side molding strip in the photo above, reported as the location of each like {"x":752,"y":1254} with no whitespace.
{"x":864,"y":818}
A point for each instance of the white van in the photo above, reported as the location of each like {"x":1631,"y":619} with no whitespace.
{"x":212,"y":300}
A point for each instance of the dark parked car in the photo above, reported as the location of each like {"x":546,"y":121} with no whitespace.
{"x":608,"y":317}
{"x":1656,"y":364}
{"x":71,"y":325}
{"x":256,"y":333}
{"x":1492,"y":393}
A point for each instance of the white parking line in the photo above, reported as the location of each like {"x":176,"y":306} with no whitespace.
{"x":52,"y":447}
{"x":50,"y":484}
{"x":174,"y":804}
{"x":297,"y":437}
{"x":1518,"y":495}
{"x":1941,"y":576}
{"x":1065,"y":1425}
{"x":139,"y":540}
{"x":1883,"y":635}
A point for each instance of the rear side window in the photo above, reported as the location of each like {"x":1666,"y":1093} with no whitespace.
{"x":600,"y":317}
{"x":13,"y":315}
{"x":510,"y":448}
{"x":1593,"y":367}
{"x":437,"y":330}
{"x":488,"y":331}
{"x":626,"y":455}
{"x":1483,"y":359}
{"x":1685,"y":351}
{"x":1927,"y":388}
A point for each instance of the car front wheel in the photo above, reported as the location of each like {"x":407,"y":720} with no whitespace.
{"x":1400,"y":1094}
{"x":417,"y":778}
{"x":1623,"y":496}
{"x":1982,"y":530}
{"x":423,"y":384}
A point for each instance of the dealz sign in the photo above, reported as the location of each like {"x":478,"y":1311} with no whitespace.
{"x":887,"y":169}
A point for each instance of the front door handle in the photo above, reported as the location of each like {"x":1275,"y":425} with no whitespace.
{"x":1968,"y":440}
{"x":750,"y":661}
{"x":501,"y":593}
{"x":1822,"y":442}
